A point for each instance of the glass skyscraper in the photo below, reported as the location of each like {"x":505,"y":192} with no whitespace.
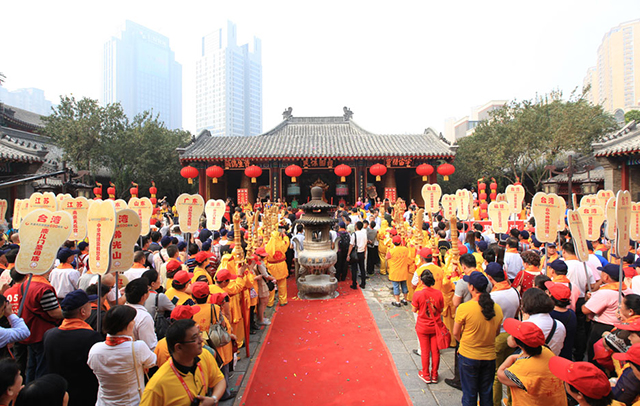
{"x":229,"y":85}
{"x":140,"y":71}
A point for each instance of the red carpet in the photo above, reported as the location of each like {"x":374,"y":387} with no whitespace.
{"x":325,"y":352}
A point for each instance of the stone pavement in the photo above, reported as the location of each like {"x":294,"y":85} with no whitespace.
{"x":397,"y":327}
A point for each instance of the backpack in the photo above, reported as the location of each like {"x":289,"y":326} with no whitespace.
{"x":344,"y":240}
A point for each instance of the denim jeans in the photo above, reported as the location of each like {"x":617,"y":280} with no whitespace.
{"x":36,"y":363}
{"x":476,"y":377}
{"x":398,"y":286}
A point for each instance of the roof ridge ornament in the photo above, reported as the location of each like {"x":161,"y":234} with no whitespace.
{"x":286,"y":115}
{"x":347,"y":113}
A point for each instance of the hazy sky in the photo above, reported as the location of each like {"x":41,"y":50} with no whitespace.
{"x":400,"y":66}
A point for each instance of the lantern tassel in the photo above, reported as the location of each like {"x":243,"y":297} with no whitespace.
{"x":293,"y":179}
{"x":190,"y":181}
{"x":446,"y":178}
{"x":253,"y":180}
{"x":214,"y":180}
{"x":424,"y":178}
{"x":342,"y":179}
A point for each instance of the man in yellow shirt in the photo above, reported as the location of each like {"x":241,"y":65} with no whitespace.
{"x":178,"y":292}
{"x":190,"y":374}
{"x":277,"y":266}
{"x":398,"y":263}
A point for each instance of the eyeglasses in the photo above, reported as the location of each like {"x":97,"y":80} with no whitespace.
{"x":194,"y":339}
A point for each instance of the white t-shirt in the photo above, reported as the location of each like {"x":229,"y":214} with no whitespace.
{"x":509,"y":301}
{"x":134,"y":273}
{"x":360,"y":237}
{"x":144,"y":327}
{"x":514,"y":264}
{"x":594,"y":263}
{"x":545,"y":322}
{"x":64,"y":281}
{"x":577,"y":275}
{"x":635,"y":284}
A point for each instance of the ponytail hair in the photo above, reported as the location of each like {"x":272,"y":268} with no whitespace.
{"x":487,"y":305}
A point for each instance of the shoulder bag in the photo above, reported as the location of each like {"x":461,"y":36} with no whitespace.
{"x":160,"y":322}
{"x":353,"y":257}
{"x":135,"y":368}
{"x":218,"y":334}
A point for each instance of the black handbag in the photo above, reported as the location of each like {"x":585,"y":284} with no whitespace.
{"x":160,"y":322}
{"x":353,"y":257}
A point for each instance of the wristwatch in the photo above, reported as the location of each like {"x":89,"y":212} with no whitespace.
{"x":215,"y":399}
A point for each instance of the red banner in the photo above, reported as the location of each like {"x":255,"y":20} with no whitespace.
{"x":486,"y":225}
{"x":243,"y":196}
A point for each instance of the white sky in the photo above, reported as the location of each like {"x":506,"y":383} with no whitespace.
{"x":400,"y":66}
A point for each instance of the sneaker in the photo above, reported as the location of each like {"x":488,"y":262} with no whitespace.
{"x":453,"y":383}
{"x":284,"y":304}
{"x":417,"y":352}
{"x":354,"y":286}
{"x":425,"y":378}
{"x":264,"y":322}
{"x":404,"y":302}
{"x":434,"y":378}
{"x":396,"y":304}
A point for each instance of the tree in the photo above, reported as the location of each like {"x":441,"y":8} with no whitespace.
{"x":103,"y":139}
{"x":522,"y":137}
{"x":632,"y":115}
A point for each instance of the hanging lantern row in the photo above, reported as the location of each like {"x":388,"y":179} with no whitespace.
{"x":189,"y":172}
{"x":494,"y":189}
{"x":215,"y":172}
{"x":424,"y":170}
{"x":446,"y":170}
{"x":112,"y":191}
{"x":134,"y":190}
{"x":153,"y":190}
{"x":98,"y":191}
{"x":293,"y":171}
{"x":253,"y":172}
{"x":378,"y":170}
{"x":343,"y":171}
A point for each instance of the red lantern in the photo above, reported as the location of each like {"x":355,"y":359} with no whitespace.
{"x":424,"y":170}
{"x":134,"y":190}
{"x":446,"y":170}
{"x":483,"y":210}
{"x":112,"y":191}
{"x":343,"y":171}
{"x":493,"y":186}
{"x":253,"y":172}
{"x":153,"y":190}
{"x":189,"y":172}
{"x":493,"y":195}
{"x":378,"y":170}
{"x":482,"y":186}
{"x":153,"y":200}
{"x":215,"y":172}
{"x":482,"y":196}
{"x":293,"y":171}
{"x":98,"y":190}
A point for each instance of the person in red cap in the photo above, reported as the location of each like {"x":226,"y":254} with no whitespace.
{"x":627,"y":388}
{"x":171,"y":268}
{"x":527,"y":374}
{"x":629,"y":314}
{"x":583,"y":381}
{"x":178,"y":292}
{"x":398,"y":265}
{"x":181,"y":312}
{"x":262,"y":277}
{"x":561,"y":296}
{"x":200,"y":272}
{"x":428,"y":304}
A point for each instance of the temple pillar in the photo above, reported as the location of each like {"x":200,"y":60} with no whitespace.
{"x":245,"y":183}
{"x":202,"y":183}
{"x":275,"y":184}
{"x":390,"y":181}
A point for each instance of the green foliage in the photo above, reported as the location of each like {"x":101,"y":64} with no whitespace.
{"x":632,"y":115}
{"x":102,"y":139}
{"x":523,"y":137}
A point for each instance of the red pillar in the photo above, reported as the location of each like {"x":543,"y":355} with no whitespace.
{"x":625,"y":176}
{"x":202,"y":183}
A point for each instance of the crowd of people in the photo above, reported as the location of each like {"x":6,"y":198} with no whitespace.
{"x":520,"y":314}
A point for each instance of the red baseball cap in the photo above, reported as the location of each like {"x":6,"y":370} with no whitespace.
{"x":584,"y":376}
{"x":200,"y":290}
{"x":462,"y":249}
{"x":393,"y":231}
{"x":218,"y":298}
{"x":528,"y":333}
{"x":261,"y":251}
{"x":425,"y":252}
{"x":184,"y":312}
{"x":632,"y":354}
{"x":173,"y":265}
{"x":203,"y":256}
{"x":560,"y":291}
{"x":182,"y":277}
{"x":225,"y":275}
{"x":397,"y":239}
{"x":630,"y":326}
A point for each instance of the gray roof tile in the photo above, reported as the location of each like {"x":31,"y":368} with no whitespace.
{"x":300,"y":137}
{"x":621,"y":142}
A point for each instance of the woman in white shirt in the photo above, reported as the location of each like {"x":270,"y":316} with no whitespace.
{"x":119,"y":362}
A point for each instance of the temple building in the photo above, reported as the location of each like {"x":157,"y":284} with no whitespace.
{"x":619,"y":154}
{"x":318,"y":146}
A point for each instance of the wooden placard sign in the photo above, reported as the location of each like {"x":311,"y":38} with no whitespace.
{"x":515,"y":197}
{"x":61,"y":196}
{"x":449,"y":205}
{"x":623,"y":221}
{"x":120,"y":204}
{"x":101,"y":226}
{"x":589,"y":200}
{"x":610,"y":216}
{"x":546,"y":209}
{"x":603,"y":197}
{"x":634,"y":228}
{"x":46,"y":200}
{"x":431,"y":194}
{"x":144,"y":208}
{"x":42,"y":232}
{"x":3,"y":209}
{"x":562,"y":225}
{"x":502,"y":197}
{"x":78,"y":208}
{"x":499,"y":215}
{"x":124,"y":238}
{"x":214,"y":210}
{"x":592,"y":219}
{"x":190,"y":208}
{"x":576,"y":227}
{"x":464,"y":202}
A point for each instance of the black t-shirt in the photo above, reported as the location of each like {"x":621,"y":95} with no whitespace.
{"x":570,"y":322}
{"x":66,"y":352}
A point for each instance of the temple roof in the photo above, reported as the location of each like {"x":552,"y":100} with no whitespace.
{"x":311,"y":137}
{"x":622,"y":142}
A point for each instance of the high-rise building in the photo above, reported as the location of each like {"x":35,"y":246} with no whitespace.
{"x":465,"y":126}
{"x":140,"y":71}
{"x":229,"y":85}
{"x":615,"y":80}
{"x":30,"y":99}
